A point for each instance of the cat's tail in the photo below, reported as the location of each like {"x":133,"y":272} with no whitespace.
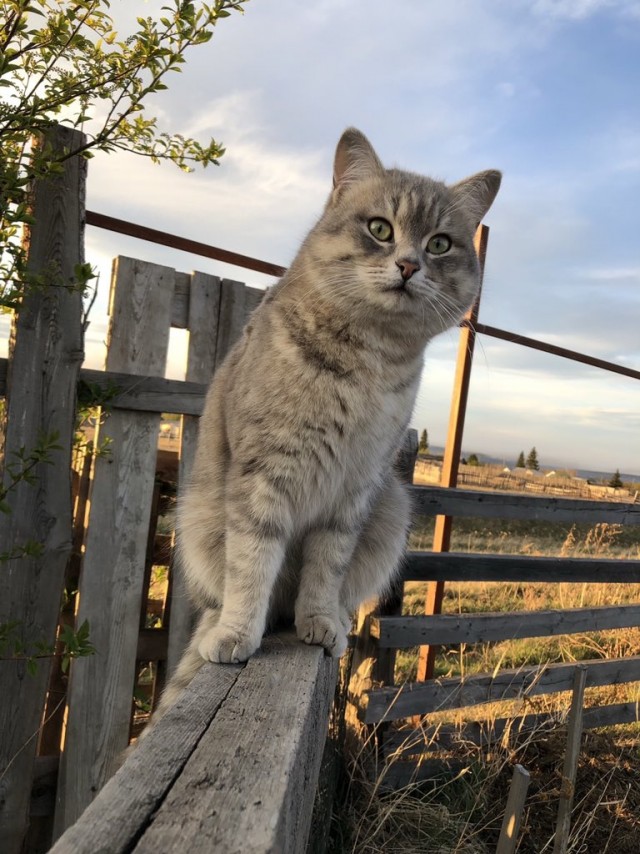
{"x":187,"y":668}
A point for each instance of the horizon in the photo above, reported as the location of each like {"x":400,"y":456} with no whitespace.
{"x":494,"y":458}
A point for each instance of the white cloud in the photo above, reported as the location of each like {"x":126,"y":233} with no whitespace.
{"x":619,"y":275}
{"x":442,"y":88}
{"x":578,"y":9}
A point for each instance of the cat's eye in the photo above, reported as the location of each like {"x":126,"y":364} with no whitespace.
{"x":381,"y":229}
{"x":439,"y":244}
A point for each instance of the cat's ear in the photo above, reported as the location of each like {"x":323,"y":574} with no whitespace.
{"x":355,"y":160}
{"x":476,"y":194}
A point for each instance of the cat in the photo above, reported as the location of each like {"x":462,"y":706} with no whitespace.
{"x":293,"y":511}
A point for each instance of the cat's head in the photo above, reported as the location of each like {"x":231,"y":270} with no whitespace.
{"x":400,"y":243}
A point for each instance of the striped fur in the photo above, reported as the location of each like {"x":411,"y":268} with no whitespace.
{"x":294,"y":511}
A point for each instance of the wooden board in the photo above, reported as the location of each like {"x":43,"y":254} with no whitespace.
{"x":249,"y":785}
{"x":510,"y":829}
{"x":232,"y":767}
{"x":233,"y":315}
{"x":434,"y":500}
{"x":386,"y":704}
{"x":402,"y":632}
{"x":101,"y":686}
{"x":483,"y":733}
{"x":140,"y":393}
{"x":124,"y":805}
{"x":203,"y":319}
{"x":458,"y":566}
{"x":46,"y":356}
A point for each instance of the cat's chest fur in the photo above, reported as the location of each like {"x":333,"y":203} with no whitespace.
{"x":322,"y":412}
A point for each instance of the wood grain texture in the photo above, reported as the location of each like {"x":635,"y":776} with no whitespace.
{"x":46,"y":353}
{"x":250,"y":783}
{"x":140,"y":393}
{"x":570,"y":765}
{"x":403,"y":632}
{"x":457,"y":566}
{"x":405,"y":743}
{"x":203,"y":319}
{"x":368,"y":664}
{"x":434,"y":500}
{"x":510,"y":829}
{"x":180,"y":302}
{"x":101,"y":686}
{"x":114,"y":820}
{"x":386,"y":704}
{"x":233,"y":314}
{"x":232,"y":767}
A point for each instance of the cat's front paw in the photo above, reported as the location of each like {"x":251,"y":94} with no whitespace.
{"x":323,"y":631}
{"x":225,"y":645}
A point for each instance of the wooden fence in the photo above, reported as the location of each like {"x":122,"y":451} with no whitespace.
{"x":384,"y":633}
{"x":120,"y":495}
{"x":102,"y":558}
{"x":232,"y":767}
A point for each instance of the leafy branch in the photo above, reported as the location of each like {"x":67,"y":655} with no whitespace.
{"x":22,"y":468}
{"x":63,"y":60}
{"x":71,"y":644}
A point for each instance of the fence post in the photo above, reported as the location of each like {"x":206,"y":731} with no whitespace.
{"x":45,"y":358}
{"x":370,"y":664}
{"x":570,"y":769}
{"x":203,"y":315}
{"x":101,"y":686}
{"x":510,"y":829}
{"x":453,"y":449}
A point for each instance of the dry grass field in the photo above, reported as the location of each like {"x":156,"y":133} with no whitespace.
{"x":460,"y":809}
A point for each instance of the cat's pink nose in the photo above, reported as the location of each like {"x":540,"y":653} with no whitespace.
{"x":407,"y":267}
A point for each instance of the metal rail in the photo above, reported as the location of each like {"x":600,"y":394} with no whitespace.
{"x":164,"y":238}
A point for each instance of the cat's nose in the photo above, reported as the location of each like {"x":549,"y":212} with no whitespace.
{"x":407,"y":267}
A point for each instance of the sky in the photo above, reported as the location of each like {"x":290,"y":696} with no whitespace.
{"x":545,"y":90}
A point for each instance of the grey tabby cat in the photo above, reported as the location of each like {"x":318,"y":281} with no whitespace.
{"x":294,"y":511}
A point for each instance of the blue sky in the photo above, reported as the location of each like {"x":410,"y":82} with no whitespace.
{"x":548,"y":92}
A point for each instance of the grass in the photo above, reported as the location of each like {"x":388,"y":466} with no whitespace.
{"x":533,"y":537}
{"x":458,"y":809}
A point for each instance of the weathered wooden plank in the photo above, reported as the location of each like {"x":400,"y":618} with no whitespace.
{"x":144,"y":393}
{"x":457,"y":566}
{"x":367,"y":665}
{"x":253,"y":298}
{"x":248,"y":788}
{"x":513,"y":812}
{"x":233,"y":316}
{"x":180,"y":301}
{"x":46,"y":352}
{"x":101,"y":686}
{"x":203,"y":319}
{"x":152,"y":645}
{"x":114,"y":820}
{"x":396,"y":775}
{"x":434,"y":500}
{"x":402,"y":632}
{"x":484,"y":733}
{"x":386,"y":704}
{"x":570,"y":767}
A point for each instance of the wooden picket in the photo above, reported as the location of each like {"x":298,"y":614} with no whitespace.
{"x":41,"y":382}
{"x":147,"y":300}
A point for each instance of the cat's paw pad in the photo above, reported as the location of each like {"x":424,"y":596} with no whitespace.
{"x":225,"y":645}
{"x":323,"y":631}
